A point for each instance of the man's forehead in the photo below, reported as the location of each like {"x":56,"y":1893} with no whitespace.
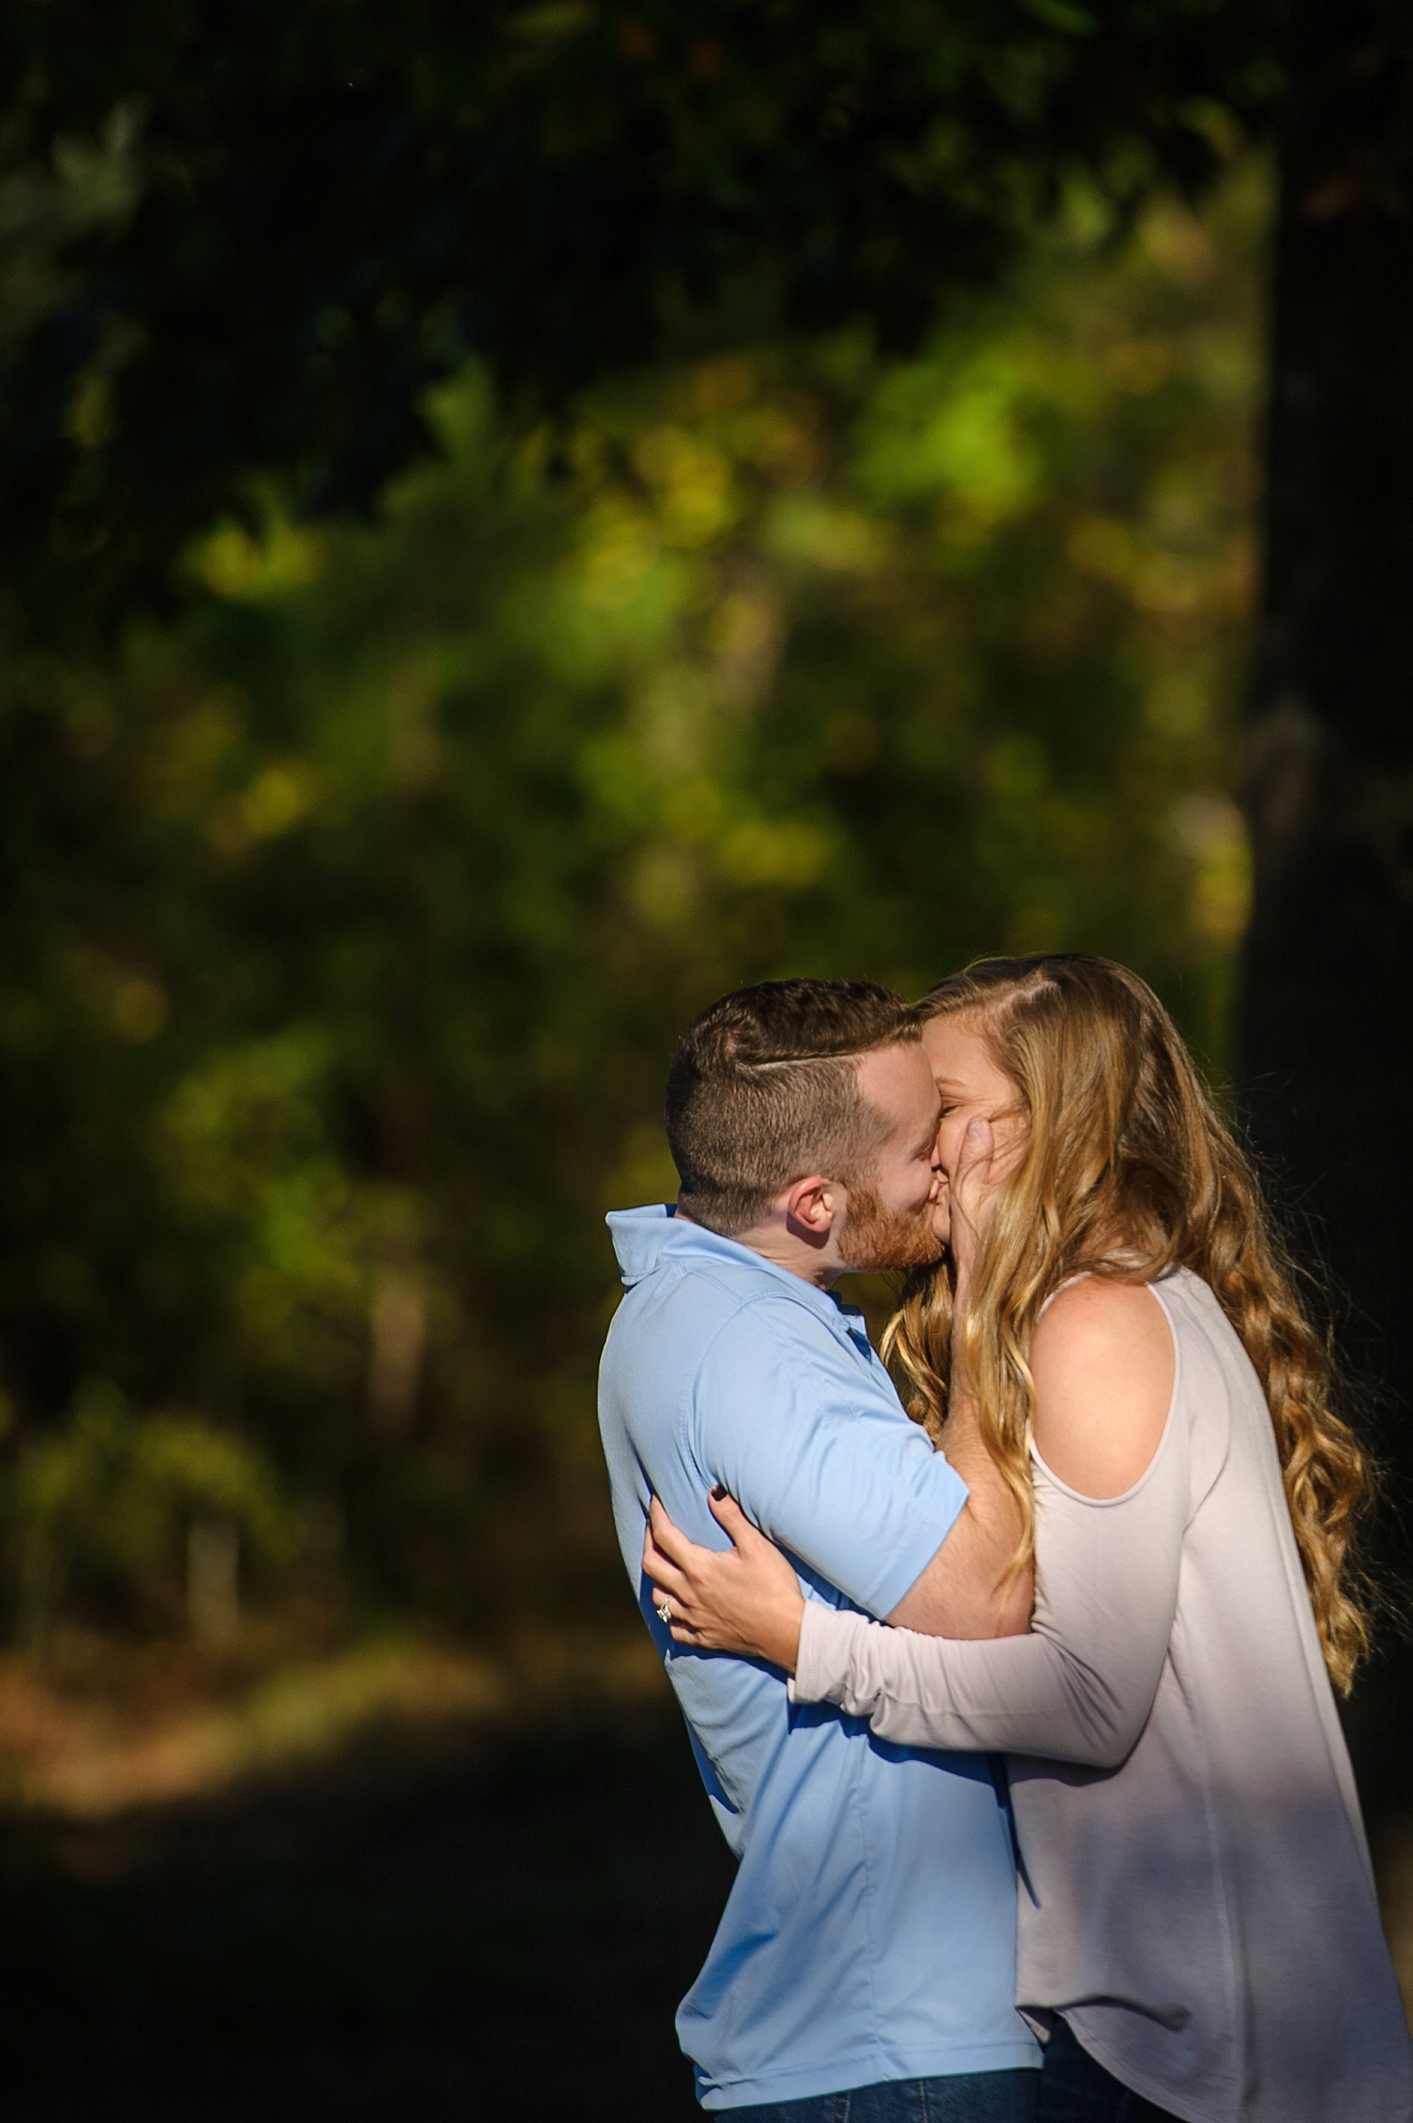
{"x":899,"y":1077}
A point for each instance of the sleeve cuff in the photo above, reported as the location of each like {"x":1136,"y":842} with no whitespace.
{"x":912,"y":1555}
{"x":822,"y":1664}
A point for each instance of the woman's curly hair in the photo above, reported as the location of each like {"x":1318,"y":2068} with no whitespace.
{"x":1128,"y":1171}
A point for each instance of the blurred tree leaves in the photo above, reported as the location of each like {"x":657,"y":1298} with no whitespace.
{"x":351,"y":915}
{"x":244,"y":242}
{"x":106,"y":1511}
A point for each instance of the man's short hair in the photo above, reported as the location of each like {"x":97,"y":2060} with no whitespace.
{"x":764,"y":1089}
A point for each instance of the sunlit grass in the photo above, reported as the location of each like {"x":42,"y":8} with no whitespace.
{"x":94,"y":1727}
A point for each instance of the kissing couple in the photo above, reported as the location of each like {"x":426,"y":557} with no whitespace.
{"x":1019,"y":1716}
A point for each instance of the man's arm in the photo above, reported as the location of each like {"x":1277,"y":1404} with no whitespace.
{"x":967,"y":1590}
{"x":821,"y":1458}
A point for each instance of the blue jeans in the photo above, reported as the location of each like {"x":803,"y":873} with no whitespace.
{"x":969,"y":2097}
{"x":1074,"y":2089}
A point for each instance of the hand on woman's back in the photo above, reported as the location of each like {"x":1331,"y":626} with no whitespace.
{"x":1103,"y":1363}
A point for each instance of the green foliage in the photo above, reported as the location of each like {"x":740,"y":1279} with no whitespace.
{"x":104,"y":1507}
{"x":245,"y":241}
{"x":353,"y":916}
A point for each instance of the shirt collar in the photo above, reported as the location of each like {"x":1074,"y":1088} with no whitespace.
{"x":652,"y":1237}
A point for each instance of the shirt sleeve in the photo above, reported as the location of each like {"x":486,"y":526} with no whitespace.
{"x":1079,"y":1688}
{"x":815,"y":1448}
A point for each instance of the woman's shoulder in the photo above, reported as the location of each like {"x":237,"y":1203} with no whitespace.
{"x":1091,"y":1310}
{"x":1103,"y":1360}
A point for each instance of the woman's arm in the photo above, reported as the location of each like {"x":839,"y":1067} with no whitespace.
{"x":1080,"y":1686}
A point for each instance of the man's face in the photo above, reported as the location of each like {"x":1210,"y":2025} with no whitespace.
{"x":889,"y":1221}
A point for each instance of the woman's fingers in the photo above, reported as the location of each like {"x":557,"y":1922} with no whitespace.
{"x":696,"y":1583}
{"x":978,"y":1149}
{"x":670,"y":1539}
{"x":667,"y":1587}
{"x":732,"y":1519}
{"x":971,"y":1178}
{"x":682,"y":1628}
{"x":680,"y":1619}
{"x":663,"y":1571}
{"x":668,"y":1583}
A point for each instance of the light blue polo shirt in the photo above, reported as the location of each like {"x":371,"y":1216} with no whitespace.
{"x":870,"y":1932}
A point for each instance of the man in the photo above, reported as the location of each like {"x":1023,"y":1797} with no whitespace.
{"x":868,"y":1944}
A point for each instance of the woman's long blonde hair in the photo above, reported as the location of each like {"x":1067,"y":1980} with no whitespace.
{"x":1127,"y":1171}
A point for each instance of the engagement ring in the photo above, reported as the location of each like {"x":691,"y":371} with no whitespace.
{"x":665,"y":1613}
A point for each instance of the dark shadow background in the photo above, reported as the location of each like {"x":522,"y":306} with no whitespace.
{"x":486,"y":1928}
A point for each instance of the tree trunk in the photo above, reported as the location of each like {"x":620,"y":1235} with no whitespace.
{"x":1326,"y":1035}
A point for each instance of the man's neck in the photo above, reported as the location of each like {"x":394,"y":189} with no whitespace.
{"x":783,"y":1250}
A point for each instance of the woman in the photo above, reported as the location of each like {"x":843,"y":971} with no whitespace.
{"x":1199,"y":1936}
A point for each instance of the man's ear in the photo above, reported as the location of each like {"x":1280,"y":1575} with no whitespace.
{"x":810,"y":1208}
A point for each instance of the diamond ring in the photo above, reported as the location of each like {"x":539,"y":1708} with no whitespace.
{"x":664,"y":1614}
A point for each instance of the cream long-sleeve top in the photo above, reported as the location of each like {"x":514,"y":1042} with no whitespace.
{"x":1196,"y":1896}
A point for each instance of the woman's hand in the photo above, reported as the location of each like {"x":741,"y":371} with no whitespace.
{"x":746,"y":1599}
{"x":971,"y":1188}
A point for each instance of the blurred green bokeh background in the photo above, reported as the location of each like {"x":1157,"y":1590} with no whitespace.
{"x":518,"y":519}
{"x":353,"y":913}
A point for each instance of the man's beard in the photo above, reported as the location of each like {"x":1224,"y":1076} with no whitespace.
{"x":875,"y":1237}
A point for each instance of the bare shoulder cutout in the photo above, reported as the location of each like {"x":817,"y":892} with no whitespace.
{"x":1104,"y":1365}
